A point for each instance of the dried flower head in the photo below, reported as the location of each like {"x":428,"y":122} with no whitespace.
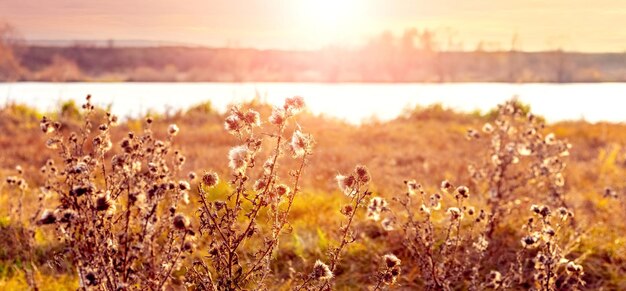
{"x":387,"y":224}
{"x":391,"y":260}
{"x":278,"y":116}
{"x":181,"y":222}
{"x":471,"y":210}
{"x":260,"y":184}
{"x":299,"y":144}
{"x":573,"y":268}
{"x":113,"y":119}
{"x":183,"y":185}
{"x":91,"y":279}
{"x":559,"y":181}
{"x":103,"y":202}
{"x":66,"y":215}
{"x":82,"y":189}
{"x":347,"y":184}
{"x":252,"y":118}
{"x":46,"y":125}
{"x":435,"y":201}
{"x":232,"y":123}
{"x":238,"y":158}
{"x":495,"y":277}
{"x":481,"y":244}
{"x":535,"y":208}
{"x":391,"y":269}
{"x":455,"y":213}
{"x":488,"y":128}
{"x":549,"y":231}
{"x":550,"y":139}
{"x":321,"y":271}
{"x":210,"y":179}
{"x":425,"y":209}
{"x":375,"y":207}
{"x":173,"y":130}
{"x":412,"y":187}
{"x":282,"y":190}
{"x":294,"y":104}
{"x":362,"y":174}
{"x":463,"y":191}
{"x":347,"y":210}
{"x":446,"y":186}
{"x":609,"y":193}
{"x":544,"y":211}
{"x":472,"y":134}
{"x":378,"y":204}
{"x":47,"y":217}
{"x":529,"y":241}
{"x":564,"y":213}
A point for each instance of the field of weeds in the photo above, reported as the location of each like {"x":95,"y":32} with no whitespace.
{"x":264,"y":197}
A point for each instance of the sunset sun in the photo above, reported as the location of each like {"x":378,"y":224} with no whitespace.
{"x":328,"y":19}
{"x":329,"y":12}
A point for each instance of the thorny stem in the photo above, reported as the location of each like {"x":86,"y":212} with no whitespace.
{"x":269,"y":183}
{"x":344,"y":241}
{"x":377,"y":287}
{"x":126,"y":237}
{"x":233,"y":243}
{"x":495,"y":203}
{"x":337,"y":252}
{"x":206,"y":209}
{"x":427,"y":247}
{"x":548,"y":270}
{"x":104,"y":171}
{"x":173,"y":263}
{"x":433,"y":269}
{"x":306,"y":282}
{"x":458,"y":231}
{"x":448,"y":232}
{"x":211,"y":218}
{"x":281,"y":223}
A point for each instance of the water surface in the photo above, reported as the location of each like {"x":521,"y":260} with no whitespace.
{"x":351,"y":102}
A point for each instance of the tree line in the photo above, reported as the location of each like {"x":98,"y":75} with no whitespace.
{"x":414,"y":56}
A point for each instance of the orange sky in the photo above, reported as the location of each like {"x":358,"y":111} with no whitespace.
{"x":579,"y":25}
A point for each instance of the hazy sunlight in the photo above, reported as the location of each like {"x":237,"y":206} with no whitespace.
{"x":328,"y":21}
{"x":310,"y":145}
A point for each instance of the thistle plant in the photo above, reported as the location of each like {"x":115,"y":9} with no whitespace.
{"x":444,"y":244}
{"x":522,"y":161}
{"x":117,"y":216}
{"x":21,"y":230}
{"x":256,"y":213}
{"x":127,"y":217}
{"x":354,"y":186}
{"x":389,"y":271}
{"x":545,"y":248}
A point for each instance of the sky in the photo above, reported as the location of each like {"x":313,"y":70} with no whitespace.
{"x":573,"y":25}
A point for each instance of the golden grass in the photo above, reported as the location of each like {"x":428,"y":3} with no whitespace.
{"x":427,"y":144}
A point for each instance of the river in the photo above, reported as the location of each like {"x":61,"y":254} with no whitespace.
{"x":351,"y":102}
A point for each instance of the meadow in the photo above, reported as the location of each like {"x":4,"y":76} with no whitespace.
{"x":277,"y":198}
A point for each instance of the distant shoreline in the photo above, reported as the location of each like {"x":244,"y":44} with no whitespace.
{"x":308,"y":82}
{"x":366,"y":65}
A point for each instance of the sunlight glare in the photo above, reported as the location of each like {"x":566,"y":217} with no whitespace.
{"x":328,"y":20}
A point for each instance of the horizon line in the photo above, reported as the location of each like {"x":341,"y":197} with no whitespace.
{"x":149,"y":43}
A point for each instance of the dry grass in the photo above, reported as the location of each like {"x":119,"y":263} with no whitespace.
{"x":282,"y":215}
